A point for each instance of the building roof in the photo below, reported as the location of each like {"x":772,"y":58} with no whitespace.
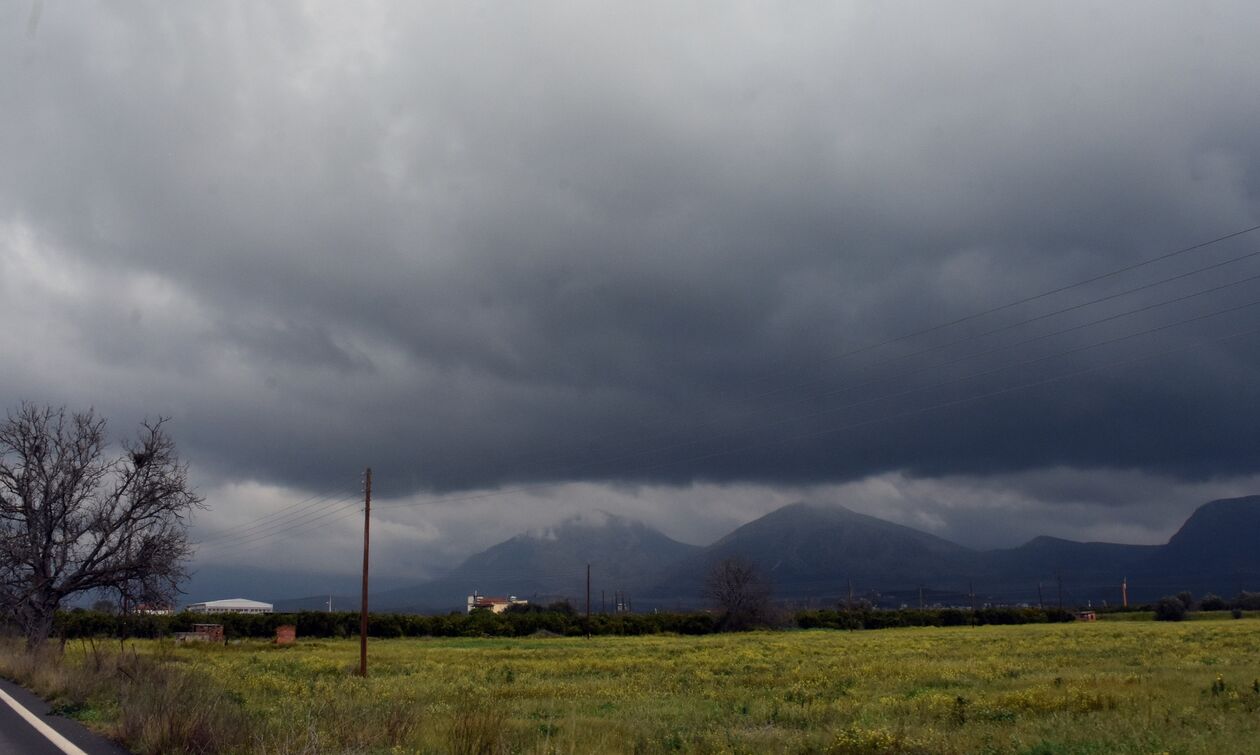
{"x":234,"y":603}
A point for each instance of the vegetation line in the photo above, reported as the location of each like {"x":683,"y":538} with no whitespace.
{"x":1124,"y":687}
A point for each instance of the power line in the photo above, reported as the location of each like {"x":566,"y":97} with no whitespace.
{"x":312,"y":501}
{"x":287,"y":521}
{"x":931,"y":349}
{"x":267,"y":539}
{"x":1024,"y":363}
{"x":898,"y":415}
{"x":952,"y":381}
{"x":349,"y":504}
{"x":958,"y":402}
{"x":1025,"y":300}
{"x":1082,"y":305}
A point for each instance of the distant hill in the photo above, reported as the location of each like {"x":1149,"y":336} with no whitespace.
{"x":811,"y":553}
{"x":1043,"y":555}
{"x":1089,"y":572}
{"x":1216,"y":550}
{"x":550,"y":563}
{"x":812,"y":550}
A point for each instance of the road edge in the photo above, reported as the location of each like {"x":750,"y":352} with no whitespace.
{"x":67,"y":735}
{"x":48,"y":732}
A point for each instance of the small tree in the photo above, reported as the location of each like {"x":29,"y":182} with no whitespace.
{"x":562,"y":607}
{"x":1170,"y":608}
{"x":1187,"y":599}
{"x":105,"y":606}
{"x":74,"y":519}
{"x":736,"y":588}
{"x":1212,"y":602}
{"x":1247,"y":601}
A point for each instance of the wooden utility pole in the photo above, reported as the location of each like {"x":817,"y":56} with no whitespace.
{"x":971,"y":589}
{"x":849,"y":604}
{"x":588,"y":600}
{"x":1041,"y":603}
{"x":1124,"y":592}
{"x":1059,"y":577}
{"x":920,"y":597}
{"x":363,"y":610}
{"x":603,"y":607}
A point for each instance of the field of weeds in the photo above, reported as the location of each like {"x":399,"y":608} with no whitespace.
{"x":1137,"y":687}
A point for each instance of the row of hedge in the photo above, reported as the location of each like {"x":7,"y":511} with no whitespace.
{"x":944,"y":617}
{"x":80,"y":624}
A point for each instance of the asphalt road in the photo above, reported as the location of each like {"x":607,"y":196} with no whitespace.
{"x":17,"y":737}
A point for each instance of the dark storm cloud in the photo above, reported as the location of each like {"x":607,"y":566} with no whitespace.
{"x":489,"y":245}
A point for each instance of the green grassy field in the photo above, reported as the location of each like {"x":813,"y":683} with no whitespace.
{"x":1190,"y":616}
{"x":1104,"y":687}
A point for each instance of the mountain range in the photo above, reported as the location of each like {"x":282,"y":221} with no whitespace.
{"x":826,"y":554}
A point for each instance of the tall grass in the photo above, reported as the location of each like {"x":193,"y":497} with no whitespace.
{"x":152,"y":705}
{"x":1127,"y":687}
{"x":477,"y":726}
{"x":161,"y":700}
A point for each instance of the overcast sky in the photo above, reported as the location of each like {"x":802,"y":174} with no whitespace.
{"x":529,"y":259}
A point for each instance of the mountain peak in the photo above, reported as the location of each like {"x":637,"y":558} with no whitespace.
{"x":820,"y":551}
{"x":1049,"y":541}
{"x":1226,"y":506}
{"x":1223,"y":522}
{"x":813,"y":510}
{"x":595,"y":519}
{"x":807,"y":547}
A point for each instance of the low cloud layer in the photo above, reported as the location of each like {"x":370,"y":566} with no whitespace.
{"x":423,"y":536}
{"x":635,"y":248}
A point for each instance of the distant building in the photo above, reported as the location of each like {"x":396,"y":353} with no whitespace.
{"x":231,"y":605}
{"x":494,"y":605}
{"x":1086,"y":616}
{"x":286,"y":634}
{"x":154,"y":609}
{"x":202,"y":633}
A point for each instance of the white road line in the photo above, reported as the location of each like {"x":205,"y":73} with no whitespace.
{"x":51,"y":734}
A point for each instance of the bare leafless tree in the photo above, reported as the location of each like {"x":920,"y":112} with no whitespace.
{"x":77,"y":518}
{"x":737,"y":588}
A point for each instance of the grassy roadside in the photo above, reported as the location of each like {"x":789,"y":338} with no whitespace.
{"x":1190,"y":616}
{"x":138,"y":698}
{"x":1192,"y":687}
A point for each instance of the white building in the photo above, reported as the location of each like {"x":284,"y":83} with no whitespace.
{"x":495,"y":605}
{"x":231,"y":605}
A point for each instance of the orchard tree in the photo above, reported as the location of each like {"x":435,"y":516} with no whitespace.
{"x":737,"y":588}
{"x":78,"y":516}
{"x":1170,"y":608}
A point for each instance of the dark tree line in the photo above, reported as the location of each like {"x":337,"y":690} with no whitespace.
{"x":945,"y":617}
{"x":1176,"y":607}
{"x":78,"y":624}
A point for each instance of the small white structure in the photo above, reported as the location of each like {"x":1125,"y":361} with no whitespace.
{"x":146,"y":609}
{"x":494,"y":605}
{"x":230,"y":605}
